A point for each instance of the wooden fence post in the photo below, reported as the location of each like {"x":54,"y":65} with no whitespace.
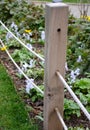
{"x":55,"y":53}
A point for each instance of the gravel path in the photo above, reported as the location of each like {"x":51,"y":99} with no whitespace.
{"x":73,"y":8}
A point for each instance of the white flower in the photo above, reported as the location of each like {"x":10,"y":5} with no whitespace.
{"x":27,"y":36}
{"x":24,"y":34}
{"x":14,"y":26}
{"x":77,"y":71}
{"x":29,"y":85}
{"x":15,"y":29}
{"x":79,"y":59}
{"x":19,"y":72}
{"x":31,"y":63}
{"x":18,"y":34}
{"x":66,"y":67}
{"x":29,"y":46}
{"x":73,"y":76}
{"x":8,"y":36}
{"x":43,"y":35}
{"x":30,"y":34}
{"x":25,"y":66}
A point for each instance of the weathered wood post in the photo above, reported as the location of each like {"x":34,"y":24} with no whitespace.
{"x":55,"y":53}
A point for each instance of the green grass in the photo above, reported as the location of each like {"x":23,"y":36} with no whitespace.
{"x":13,"y":115}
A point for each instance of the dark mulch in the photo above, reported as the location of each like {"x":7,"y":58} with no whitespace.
{"x":38,"y":106}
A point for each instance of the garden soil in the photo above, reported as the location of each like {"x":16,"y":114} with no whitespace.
{"x":38,"y":106}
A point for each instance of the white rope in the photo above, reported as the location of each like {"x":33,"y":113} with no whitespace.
{"x":73,"y":95}
{"x":22,"y":42}
{"x":21,"y":70}
{"x":61,"y":119}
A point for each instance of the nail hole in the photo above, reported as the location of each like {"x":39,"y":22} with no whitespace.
{"x":58,"y":30}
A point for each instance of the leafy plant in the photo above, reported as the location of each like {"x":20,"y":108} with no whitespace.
{"x":78,"y":49}
{"x":37,"y":73}
{"x":77,"y":128}
{"x":70,"y":107}
{"x":4,"y":10}
{"x":21,"y":55}
{"x":24,"y":15}
{"x":82,"y":89}
{"x":78,"y":45}
{"x":35,"y":95}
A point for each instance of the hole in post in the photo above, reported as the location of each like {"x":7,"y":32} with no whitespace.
{"x":59,"y":29}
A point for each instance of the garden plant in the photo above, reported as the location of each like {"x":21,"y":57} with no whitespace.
{"x":28,"y":26}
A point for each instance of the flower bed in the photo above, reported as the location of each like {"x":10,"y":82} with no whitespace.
{"x":29,"y":27}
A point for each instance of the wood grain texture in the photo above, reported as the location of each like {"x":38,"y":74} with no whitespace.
{"x":55,"y":54}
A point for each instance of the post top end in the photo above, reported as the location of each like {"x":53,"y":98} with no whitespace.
{"x":60,"y":4}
